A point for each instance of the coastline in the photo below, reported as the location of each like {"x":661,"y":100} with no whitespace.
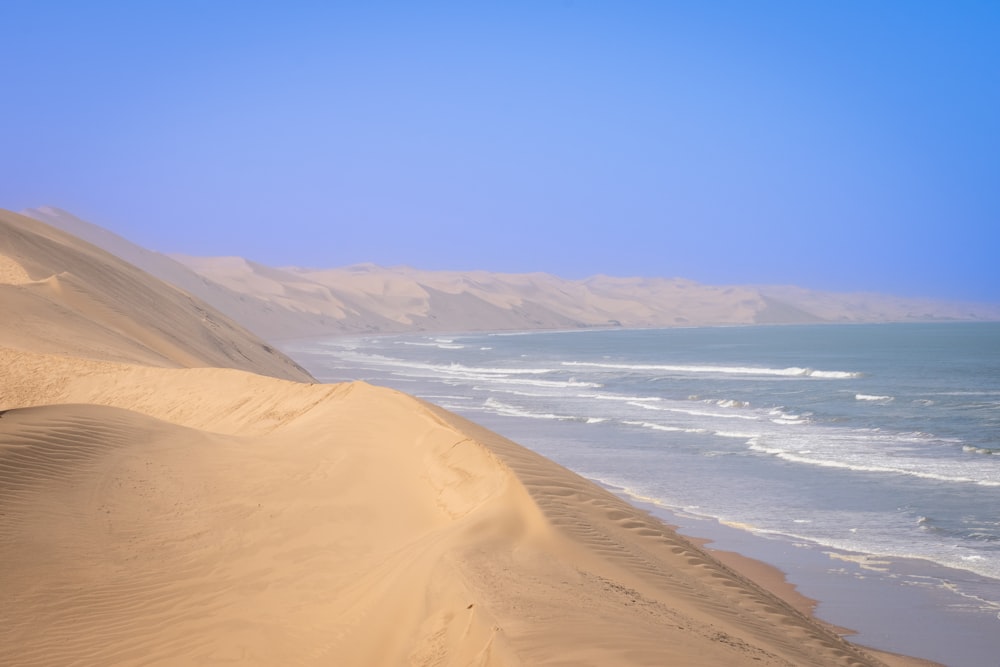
{"x":886,"y":604}
{"x":344,"y":502}
{"x":175,"y":491}
{"x":861,"y":589}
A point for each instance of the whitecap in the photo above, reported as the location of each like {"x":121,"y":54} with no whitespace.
{"x":914,"y":468}
{"x":873,"y":397}
{"x":793,"y":371}
{"x":513,"y":411}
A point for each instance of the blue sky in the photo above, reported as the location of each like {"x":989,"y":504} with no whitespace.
{"x":838,"y":145}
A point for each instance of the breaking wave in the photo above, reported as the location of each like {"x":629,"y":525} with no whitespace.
{"x":793,"y":371}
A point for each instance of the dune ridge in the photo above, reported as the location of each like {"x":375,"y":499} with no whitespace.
{"x":292,"y":302}
{"x":157,"y":509}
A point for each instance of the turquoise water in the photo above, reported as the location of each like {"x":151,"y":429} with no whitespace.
{"x":876,"y":445}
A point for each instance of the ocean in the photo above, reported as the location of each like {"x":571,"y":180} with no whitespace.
{"x":862,"y":460}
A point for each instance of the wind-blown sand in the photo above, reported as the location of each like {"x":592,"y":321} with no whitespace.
{"x":157,"y":510}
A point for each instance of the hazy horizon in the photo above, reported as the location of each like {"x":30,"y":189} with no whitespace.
{"x":840,"y":148}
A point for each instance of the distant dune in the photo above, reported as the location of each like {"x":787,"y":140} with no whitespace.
{"x":293,"y":302}
{"x":174,"y":492}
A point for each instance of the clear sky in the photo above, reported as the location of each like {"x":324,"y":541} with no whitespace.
{"x":850,"y":145}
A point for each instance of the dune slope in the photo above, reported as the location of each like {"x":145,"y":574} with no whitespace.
{"x":349,"y":524}
{"x":60,"y":294}
{"x":155,"y":509}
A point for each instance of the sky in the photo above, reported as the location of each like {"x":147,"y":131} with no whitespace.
{"x":850,"y":145}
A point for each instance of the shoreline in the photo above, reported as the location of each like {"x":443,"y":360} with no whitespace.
{"x":280,"y":341}
{"x":180,"y":494}
{"x":803,"y":576}
{"x":859,"y":596}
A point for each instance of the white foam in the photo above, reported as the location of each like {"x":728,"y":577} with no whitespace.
{"x":980,"y":450}
{"x":873,"y":397}
{"x":730,"y":403}
{"x":448,"y":370}
{"x":513,"y":411}
{"x":636,"y":404}
{"x":793,"y":371}
{"x":736,"y":434}
{"x":619,"y":397}
{"x":900,"y":466}
{"x":479,"y":370}
{"x":836,"y":375}
{"x":513,"y":392}
{"x":546,"y":383}
{"x":702,"y":413}
{"x":664,"y":427}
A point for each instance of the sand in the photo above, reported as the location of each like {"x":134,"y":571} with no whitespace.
{"x":156,"y":508}
{"x":294,"y":302}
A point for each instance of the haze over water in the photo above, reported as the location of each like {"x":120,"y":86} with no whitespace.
{"x":876,"y":445}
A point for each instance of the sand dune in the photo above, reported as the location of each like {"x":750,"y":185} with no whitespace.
{"x":293,"y":302}
{"x":157,"y":510}
{"x":64,"y":295}
{"x":346,"y":523}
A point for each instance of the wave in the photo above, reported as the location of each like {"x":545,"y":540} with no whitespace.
{"x":728,"y":403}
{"x":975,"y":532}
{"x":664,"y":427}
{"x":545,"y":383}
{"x":508,"y":410}
{"x":866,"y":553}
{"x":460,"y":372}
{"x":483,"y":372}
{"x":980,"y":450}
{"x":873,"y":397}
{"x":736,"y":434}
{"x":513,"y":392}
{"x":513,"y":411}
{"x":793,"y":371}
{"x":441,"y":345}
{"x":444,"y":397}
{"x":695,"y":413}
{"x":619,"y":397}
{"x":913,"y":468}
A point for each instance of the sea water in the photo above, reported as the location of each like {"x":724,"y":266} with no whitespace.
{"x":870,"y":451}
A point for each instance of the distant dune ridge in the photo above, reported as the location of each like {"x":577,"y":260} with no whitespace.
{"x":292,"y":302}
{"x":174,"y":492}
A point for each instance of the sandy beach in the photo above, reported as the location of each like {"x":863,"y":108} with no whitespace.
{"x":174,"y":491}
